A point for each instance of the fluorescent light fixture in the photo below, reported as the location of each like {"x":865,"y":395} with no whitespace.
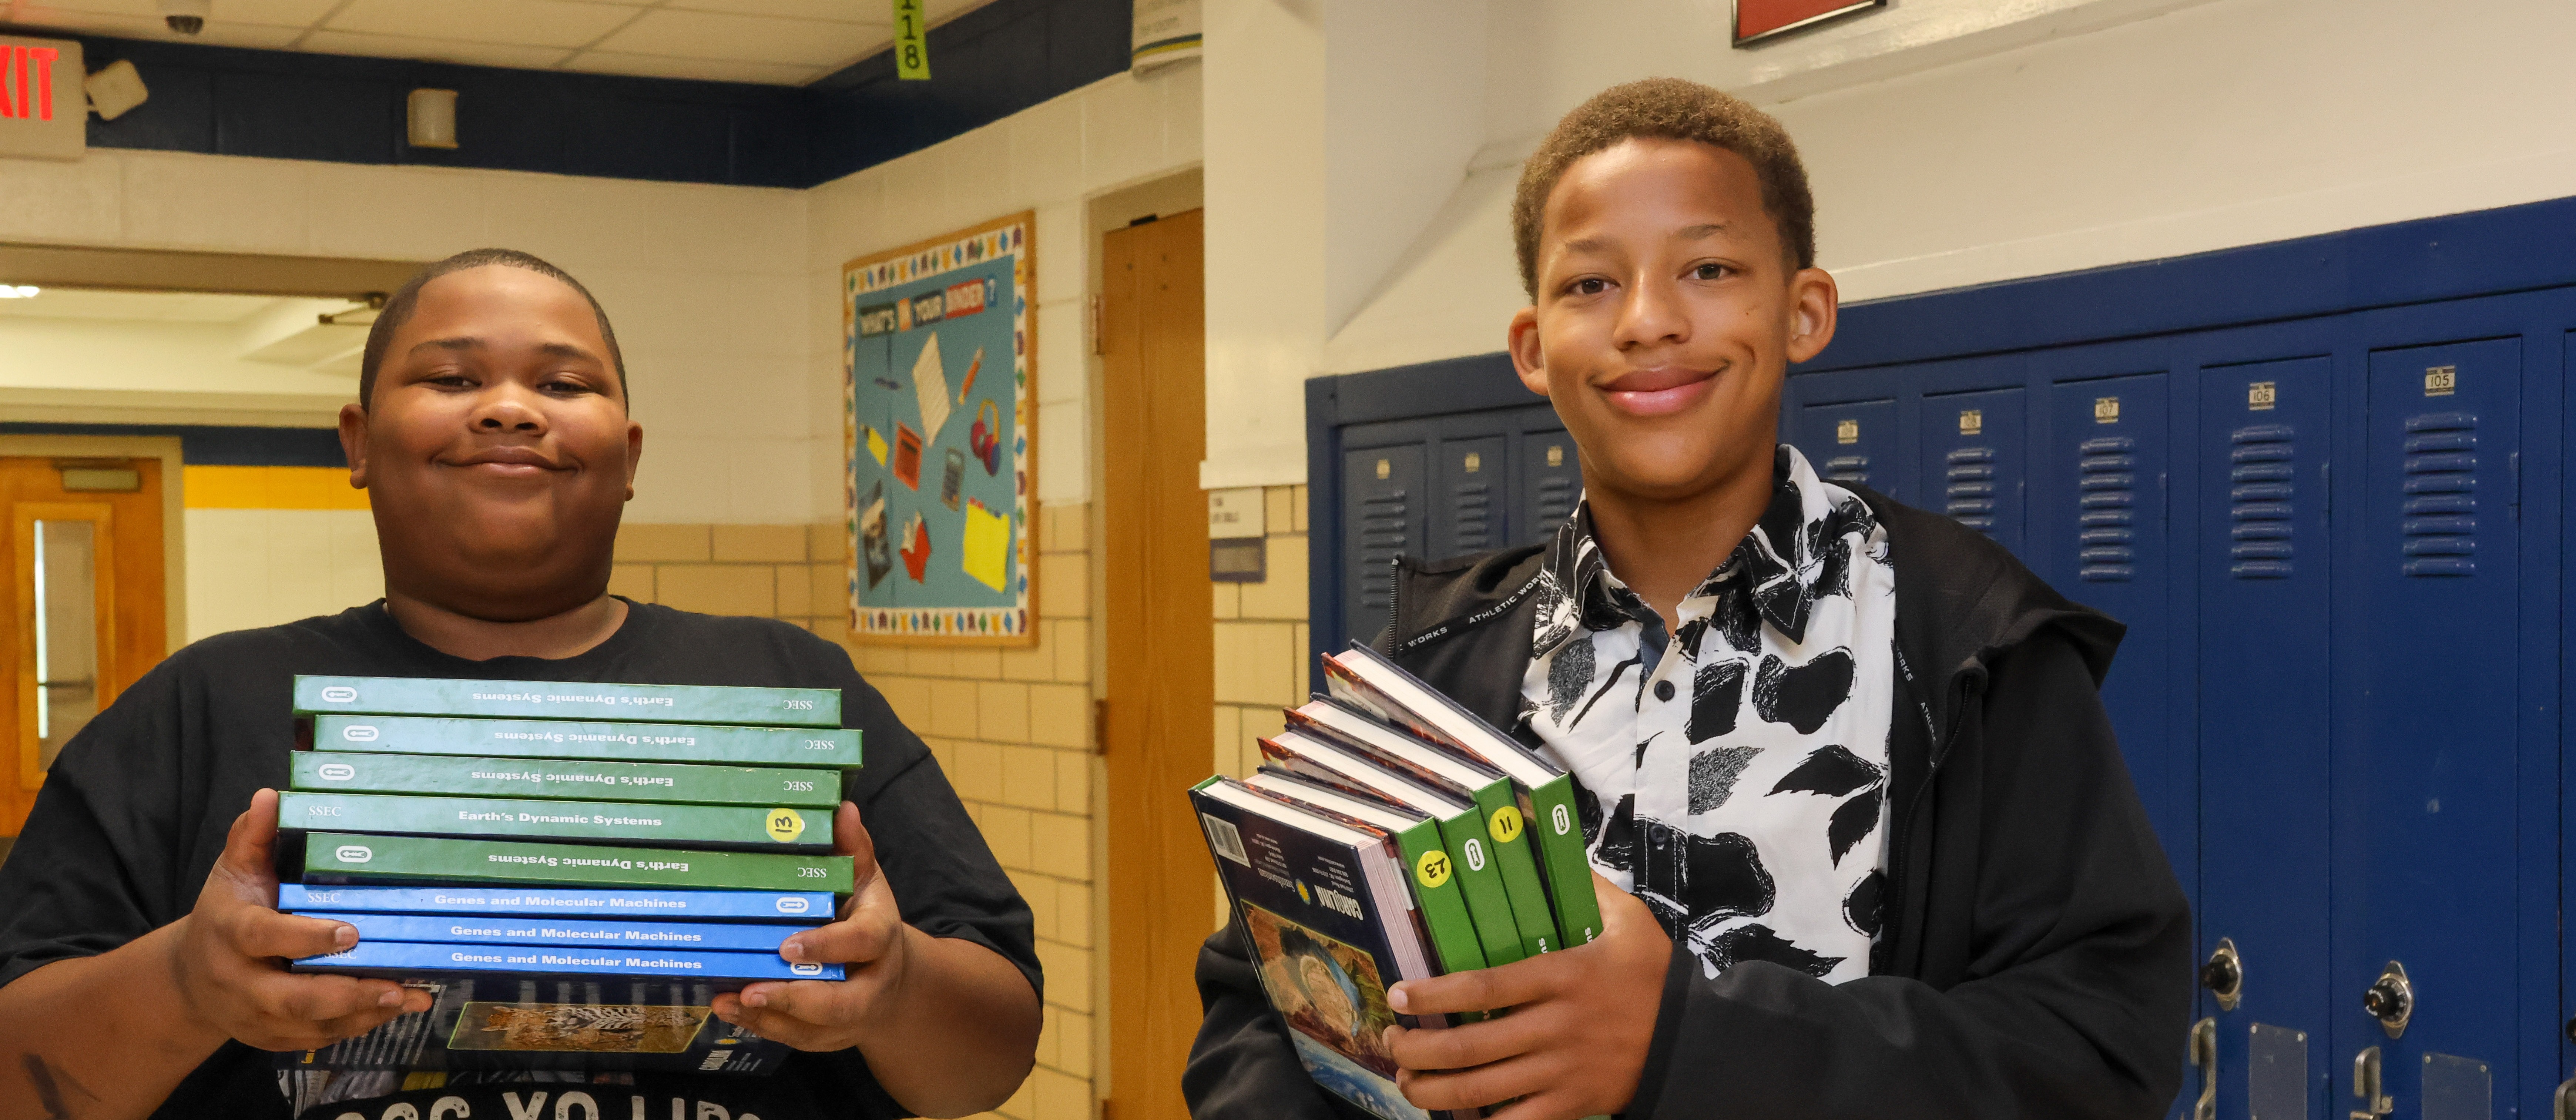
{"x":20,"y":291}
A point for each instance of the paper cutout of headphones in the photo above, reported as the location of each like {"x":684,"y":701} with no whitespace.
{"x":985,"y":438}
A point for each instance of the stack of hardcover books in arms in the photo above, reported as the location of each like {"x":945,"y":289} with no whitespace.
{"x":573,"y":871}
{"x":1391,"y":834}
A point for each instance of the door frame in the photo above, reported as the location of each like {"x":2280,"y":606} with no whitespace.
{"x":174,"y":558}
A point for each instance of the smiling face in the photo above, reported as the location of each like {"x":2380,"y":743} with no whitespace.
{"x":496,"y":449}
{"x":1667,"y":312}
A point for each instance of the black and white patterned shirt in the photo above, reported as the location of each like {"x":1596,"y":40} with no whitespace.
{"x":1742,"y":761}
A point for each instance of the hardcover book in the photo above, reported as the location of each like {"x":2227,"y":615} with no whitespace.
{"x":663,"y":703}
{"x":489,"y":929}
{"x":417,"y":962}
{"x":468,"y":775}
{"x":513,"y":1022}
{"x":332,"y":858}
{"x":1366,"y":679}
{"x":682,"y":826}
{"x":563,"y":902}
{"x":1417,"y":841}
{"x":1330,"y":925}
{"x":833,"y":747}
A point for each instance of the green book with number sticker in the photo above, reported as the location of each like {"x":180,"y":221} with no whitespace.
{"x":627,"y":742}
{"x":332,"y":858}
{"x":776,"y":828}
{"x":663,"y":703}
{"x":1426,"y":859}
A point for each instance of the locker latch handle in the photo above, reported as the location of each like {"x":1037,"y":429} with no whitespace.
{"x":2365,"y":1084}
{"x":2204,"y":1054}
{"x":2564,"y":1108}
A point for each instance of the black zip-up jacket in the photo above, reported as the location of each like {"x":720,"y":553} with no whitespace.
{"x":2037,"y":957}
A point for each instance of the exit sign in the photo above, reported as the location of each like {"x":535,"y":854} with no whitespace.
{"x":42,"y":111}
{"x":1756,"y":20}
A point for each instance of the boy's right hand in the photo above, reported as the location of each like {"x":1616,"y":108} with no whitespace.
{"x":228,"y":962}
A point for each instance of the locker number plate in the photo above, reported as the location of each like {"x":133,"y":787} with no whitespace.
{"x":2261,"y":396}
{"x":1846,"y":431}
{"x":2441,"y":381}
{"x":2106,"y":410}
{"x":1972,"y":421}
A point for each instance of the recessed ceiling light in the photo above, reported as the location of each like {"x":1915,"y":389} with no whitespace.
{"x":20,"y":291}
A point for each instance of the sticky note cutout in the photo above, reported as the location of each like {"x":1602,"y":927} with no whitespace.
{"x":985,"y":553}
{"x":930,"y":386}
{"x":876,"y":443}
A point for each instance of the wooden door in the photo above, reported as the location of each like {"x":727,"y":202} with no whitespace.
{"x":83,"y":601}
{"x":1161,"y":649}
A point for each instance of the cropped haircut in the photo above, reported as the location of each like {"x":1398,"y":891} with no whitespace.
{"x":400,"y":305}
{"x":1668,"y":109}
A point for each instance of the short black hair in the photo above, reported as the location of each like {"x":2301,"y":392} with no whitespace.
{"x":398,"y":308}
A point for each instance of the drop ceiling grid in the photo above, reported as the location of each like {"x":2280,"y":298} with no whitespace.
{"x":772,"y":42}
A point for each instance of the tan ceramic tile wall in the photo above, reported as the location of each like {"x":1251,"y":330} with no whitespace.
{"x":1261,"y":638}
{"x":1011,"y":728}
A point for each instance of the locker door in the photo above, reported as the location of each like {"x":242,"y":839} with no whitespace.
{"x":1854,"y":442}
{"x":2433,"y":745}
{"x":2264,"y":446}
{"x":1382,"y":518}
{"x":1470,"y":491}
{"x":2108,"y":452}
{"x":1973,"y":460}
{"x":1551,"y":482}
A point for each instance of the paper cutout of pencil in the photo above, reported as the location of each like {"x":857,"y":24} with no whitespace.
{"x":972,"y":366}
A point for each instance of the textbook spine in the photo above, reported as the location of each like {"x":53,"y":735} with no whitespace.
{"x":563,"y":902}
{"x":1498,"y":808}
{"x":487,"y":929}
{"x":583,"y":779}
{"x":624,"y":741}
{"x":1480,"y":885}
{"x":413,"y":960}
{"x":332,"y":858}
{"x":692,"y":826}
{"x":1558,"y":829}
{"x":658,"y":703}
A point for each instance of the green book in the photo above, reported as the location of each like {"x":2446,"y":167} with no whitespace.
{"x":1462,"y":828}
{"x":1506,"y":828}
{"x":332,"y":858}
{"x":1363,"y":678}
{"x":1426,"y":859}
{"x":661,"y":703}
{"x":545,"y":738}
{"x":583,"y":779}
{"x":690,"y":826}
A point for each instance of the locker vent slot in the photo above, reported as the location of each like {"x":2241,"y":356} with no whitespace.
{"x":2106,"y":504}
{"x":1971,"y":488}
{"x":1847,"y":468}
{"x":1555,"y":504}
{"x":2441,"y":506}
{"x":1475,"y":516}
{"x":2262,"y":478}
{"x":1383,"y":519}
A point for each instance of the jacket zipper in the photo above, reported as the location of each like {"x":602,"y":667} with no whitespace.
{"x":1394,"y":584}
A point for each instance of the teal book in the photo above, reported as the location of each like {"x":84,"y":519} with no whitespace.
{"x":334,"y":858}
{"x":586,"y":779}
{"x":1462,"y":828}
{"x":1506,"y":828}
{"x":831,"y":747}
{"x":1365,"y":679}
{"x":679,"y":826}
{"x":661,"y":703}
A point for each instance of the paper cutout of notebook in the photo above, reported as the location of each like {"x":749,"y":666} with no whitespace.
{"x":986,"y":552}
{"x":930,"y":385}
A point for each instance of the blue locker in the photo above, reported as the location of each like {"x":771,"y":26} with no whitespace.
{"x":1551,"y":482}
{"x":2434,"y":739}
{"x":1470,"y":496}
{"x":1851,"y":442}
{"x":2266,"y":439}
{"x":1973,"y":465}
{"x":1382,"y":518}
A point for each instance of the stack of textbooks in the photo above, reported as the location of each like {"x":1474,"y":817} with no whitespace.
{"x":1391,"y":834}
{"x":572,"y":871}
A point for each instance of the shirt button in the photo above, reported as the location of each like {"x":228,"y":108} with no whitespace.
{"x":1663,"y":690}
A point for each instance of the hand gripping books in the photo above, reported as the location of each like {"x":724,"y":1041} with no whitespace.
{"x":1325,"y":906}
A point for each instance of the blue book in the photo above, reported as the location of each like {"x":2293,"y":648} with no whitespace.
{"x":488,"y":929}
{"x":567,"y":902}
{"x":429,"y":962}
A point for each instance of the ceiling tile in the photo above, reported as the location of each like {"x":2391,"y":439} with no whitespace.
{"x":434,"y":50}
{"x":879,"y":12}
{"x":740,"y":38}
{"x":701,"y":69}
{"x":528,"y":23}
{"x":283,"y":13}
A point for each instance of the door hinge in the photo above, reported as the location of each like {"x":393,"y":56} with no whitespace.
{"x":1100,"y":726}
{"x":1099,"y":331}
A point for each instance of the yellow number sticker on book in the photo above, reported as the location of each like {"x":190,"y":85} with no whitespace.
{"x":785,"y":825}
{"x":1432,"y":869}
{"x":1506,"y":825}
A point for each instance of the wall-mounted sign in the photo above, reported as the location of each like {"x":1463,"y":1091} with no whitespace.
{"x":1756,"y":20}
{"x":42,"y":112}
{"x":1165,"y":32}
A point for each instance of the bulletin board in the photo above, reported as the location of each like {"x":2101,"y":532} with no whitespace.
{"x":937,"y":354}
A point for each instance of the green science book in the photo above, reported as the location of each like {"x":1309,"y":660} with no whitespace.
{"x":334,"y":858}
{"x":565,"y":779}
{"x":660,"y":703}
{"x":747,"y":827}
{"x":827,"y":747}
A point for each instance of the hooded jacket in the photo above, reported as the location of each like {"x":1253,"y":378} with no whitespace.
{"x":2037,"y":956}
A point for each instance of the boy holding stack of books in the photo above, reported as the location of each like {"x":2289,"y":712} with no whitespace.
{"x":140,"y":949}
{"x":1865,"y":844}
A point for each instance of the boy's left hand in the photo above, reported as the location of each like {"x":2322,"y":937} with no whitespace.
{"x":870,"y":942}
{"x":1575,"y":1040}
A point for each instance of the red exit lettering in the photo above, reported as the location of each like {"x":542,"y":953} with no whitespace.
{"x":30,"y":72}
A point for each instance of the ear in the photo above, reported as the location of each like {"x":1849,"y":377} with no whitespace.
{"x":1813,"y":304}
{"x":634,"y":454}
{"x":353,"y":442}
{"x":1528,"y":360}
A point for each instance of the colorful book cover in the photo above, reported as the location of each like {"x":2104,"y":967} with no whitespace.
{"x":689,"y":826}
{"x":1417,"y":840}
{"x":510,"y":1021}
{"x":833,"y":747}
{"x":417,"y":961}
{"x":1324,"y":909}
{"x":581,"y":779}
{"x":660,"y":703}
{"x":563,"y":902}
{"x":334,"y":858}
{"x":736,"y":937}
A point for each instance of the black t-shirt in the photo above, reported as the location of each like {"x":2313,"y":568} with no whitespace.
{"x":137,"y":806}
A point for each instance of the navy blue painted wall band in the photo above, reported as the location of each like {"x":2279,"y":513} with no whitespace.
{"x":990,"y":62}
{"x":204,"y":445}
